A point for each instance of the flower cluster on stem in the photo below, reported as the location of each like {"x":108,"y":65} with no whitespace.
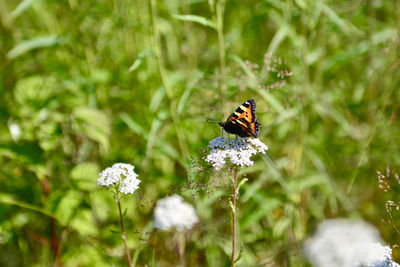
{"x":235,"y":153}
{"x":123,"y":179}
{"x":347,"y":243}
{"x":120,"y":175}
{"x":238,"y":151}
{"x":174,"y":212}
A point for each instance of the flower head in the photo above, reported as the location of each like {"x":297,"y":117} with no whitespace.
{"x":238,"y":151}
{"x":347,"y":243}
{"x":174,"y":212}
{"x":15,"y":131}
{"x":120,"y":175}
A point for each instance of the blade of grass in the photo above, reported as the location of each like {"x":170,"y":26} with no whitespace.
{"x":35,"y":43}
{"x":198,"y":19}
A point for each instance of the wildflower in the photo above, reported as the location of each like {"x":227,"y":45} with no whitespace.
{"x":347,"y":243}
{"x":238,"y":151}
{"x":173,"y":212}
{"x":122,"y":176}
{"x":15,"y":131}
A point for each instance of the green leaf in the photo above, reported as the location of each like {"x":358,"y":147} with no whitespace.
{"x":242,"y":182}
{"x":278,"y":38}
{"x":94,"y":124}
{"x":22,"y":6}
{"x":240,"y":253}
{"x":35,"y":92}
{"x":85,"y":254}
{"x":299,"y":185}
{"x":265,"y":205}
{"x":361,"y":48}
{"x":133,"y":125}
{"x":139,"y":59}
{"x":102,"y":203}
{"x":198,"y":19}
{"x":83,"y":223}
{"x":85,"y":175}
{"x":281,"y":226}
{"x":137,"y":253}
{"x":188,"y":90}
{"x":156,"y":99}
{"x":231,"y":205}
{"x":28,"y":45}
{"x":272,"y":100}
{"x":26,"y":152}
{"x":250,"y":74}
{"x":343,"y":24}
{"x":10,"y":200}
{"x":65,"y":205}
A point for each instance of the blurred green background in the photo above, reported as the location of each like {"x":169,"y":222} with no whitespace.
{"x":85,"y":84}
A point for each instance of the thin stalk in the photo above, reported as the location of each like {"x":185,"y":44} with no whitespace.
{"x":121,"y":219}
{"x":220,"y":9}
{"x":181,"y":242}
{"x":55,"y":240}
{"x":164,"y":78}
{"x":234,"y":196}
{"x":371,"y":135}
{"x":379,"y":116}
{"x":192,"y":51}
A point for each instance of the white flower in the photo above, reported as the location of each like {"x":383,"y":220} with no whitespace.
{"x":15,"y":131}
{"x":173,"y":212}
{"x":122,"y":176}
{"x":238,"y":151}
{"x":347,"y":243}
{"x":379,"y":256}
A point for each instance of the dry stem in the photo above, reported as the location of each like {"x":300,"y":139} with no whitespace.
{"x":121,"y":219}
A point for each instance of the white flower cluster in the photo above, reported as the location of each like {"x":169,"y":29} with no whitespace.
{"x":121,"y":175}
{"x":381,"y":256}
{"x":173,"y":212}
{"x":15,"y":131}
{"x":347,"y":243}
{"x":238,"y":150}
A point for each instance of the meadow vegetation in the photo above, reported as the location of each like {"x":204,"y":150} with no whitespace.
{"x":86,"y":84}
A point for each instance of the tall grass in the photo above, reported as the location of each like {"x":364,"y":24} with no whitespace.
{"x":91,"y":83}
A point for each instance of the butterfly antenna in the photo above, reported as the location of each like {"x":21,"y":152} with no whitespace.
{"x":210,"y":120}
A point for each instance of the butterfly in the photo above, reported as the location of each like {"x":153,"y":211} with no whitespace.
{"x":243,"y":121}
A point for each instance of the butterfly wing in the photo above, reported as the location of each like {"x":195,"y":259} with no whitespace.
{"x":243,"y":121}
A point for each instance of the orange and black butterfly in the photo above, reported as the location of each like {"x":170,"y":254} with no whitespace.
{"x":243,"y":121}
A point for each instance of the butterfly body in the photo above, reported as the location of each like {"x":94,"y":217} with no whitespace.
{"x":243,"y":121}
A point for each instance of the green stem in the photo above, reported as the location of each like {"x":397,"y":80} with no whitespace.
{"x":121,"y":219}
{"x":164,"y":78}
{"x":181,"y":242}
{"x":191,"y":38}
{"x":371,"y":135}
{"x":220,"y":9}
{"x":234,"y":196}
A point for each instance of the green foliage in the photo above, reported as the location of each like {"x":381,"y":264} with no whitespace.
{"x":92,"y":83}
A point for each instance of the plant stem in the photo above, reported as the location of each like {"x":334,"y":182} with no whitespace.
{"x":191,"y":38}
{"x":55,"y":240}
{"x":234,"y":196}
{"x":121,"y":219}
{"x":220,"y":9}
{"x":164,"y":77}
{"x":181,"y":242}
